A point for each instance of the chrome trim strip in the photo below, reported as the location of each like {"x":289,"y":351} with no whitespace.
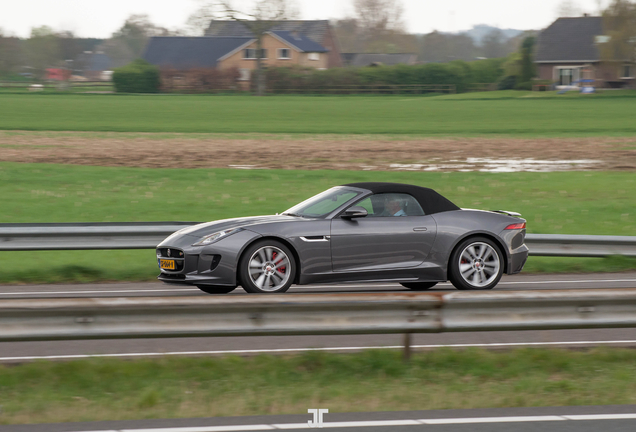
{"x":322,"y":239}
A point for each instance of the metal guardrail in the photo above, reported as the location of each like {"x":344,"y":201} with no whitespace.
{"x":146,"y":235}
{"x":86,"y":236}
{"x":310,"y":314}
{"x":580,"y":245}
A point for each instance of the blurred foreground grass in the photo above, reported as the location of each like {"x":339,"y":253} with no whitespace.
{"x":378,"y":380}
{"x":553,"y":203}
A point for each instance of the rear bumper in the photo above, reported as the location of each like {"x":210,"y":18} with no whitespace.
{"x":517,"y":260}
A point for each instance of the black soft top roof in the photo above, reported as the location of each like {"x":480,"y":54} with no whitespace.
{"x":431,"y":201}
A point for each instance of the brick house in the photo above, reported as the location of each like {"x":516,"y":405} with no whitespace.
{"x":568,"y":51}
{"x":279,"y":48}
{"x":319,"y":31}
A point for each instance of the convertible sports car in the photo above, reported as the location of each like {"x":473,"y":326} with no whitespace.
{"x":355,"y":232}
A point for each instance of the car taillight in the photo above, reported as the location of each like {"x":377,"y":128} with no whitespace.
{"x":521,"y":225}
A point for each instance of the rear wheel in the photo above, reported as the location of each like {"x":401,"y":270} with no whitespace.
{"x":419,"y":286}
{"x":476,"y":264}
{"x":216,"y":289}
{"x":267,"y":266}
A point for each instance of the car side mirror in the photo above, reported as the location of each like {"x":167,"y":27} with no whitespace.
{"x":355,"y":212}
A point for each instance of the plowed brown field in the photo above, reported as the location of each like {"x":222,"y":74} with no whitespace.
{"x":313,"y":152}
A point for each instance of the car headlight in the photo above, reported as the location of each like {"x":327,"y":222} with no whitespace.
{"x":211,"y":238}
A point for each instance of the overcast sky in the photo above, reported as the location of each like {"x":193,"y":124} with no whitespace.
{"x":93,"y":18}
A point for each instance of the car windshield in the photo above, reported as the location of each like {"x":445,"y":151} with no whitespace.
{"x":324,"y":203}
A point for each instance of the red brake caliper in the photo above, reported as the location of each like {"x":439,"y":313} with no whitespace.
{"x":281,"y":269}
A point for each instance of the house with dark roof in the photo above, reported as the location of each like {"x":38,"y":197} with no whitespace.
{"x":319,"y":31}
{"x":568,"y":51}
{"x":184,"y":53}
{"x":279,"y":48}
{"x":377,"y":59}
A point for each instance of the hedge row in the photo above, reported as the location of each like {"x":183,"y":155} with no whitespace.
{"x":137,"y":77}
{"x":199,"y":80}
{"x":459,"y":73}
{"x":142,"y":77}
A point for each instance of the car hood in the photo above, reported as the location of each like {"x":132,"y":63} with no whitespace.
{"x":206,"y":228}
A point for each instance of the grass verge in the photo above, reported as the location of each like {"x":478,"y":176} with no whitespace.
{"x":110,"y":389}
{"x":494,"y":113}
{"x":46,"y":267}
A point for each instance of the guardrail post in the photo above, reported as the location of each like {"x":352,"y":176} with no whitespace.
{"x":407,"y":347}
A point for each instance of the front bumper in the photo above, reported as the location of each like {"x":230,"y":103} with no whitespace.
{"x":215,"y":264}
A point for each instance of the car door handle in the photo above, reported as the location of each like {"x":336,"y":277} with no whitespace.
{"x":420,"y":229}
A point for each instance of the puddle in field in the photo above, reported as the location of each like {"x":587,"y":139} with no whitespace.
{"x":497,"y":165}
{"x":246,"y":167}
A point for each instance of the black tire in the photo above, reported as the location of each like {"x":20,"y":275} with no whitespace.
{"x":216,"y":289}
{"x":267,"y":261}
{"x":482,"y":274}
{"x":418,"y":286}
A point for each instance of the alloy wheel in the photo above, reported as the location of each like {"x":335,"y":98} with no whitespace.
{"x":479,"y":264}
{"x":268,"y":268}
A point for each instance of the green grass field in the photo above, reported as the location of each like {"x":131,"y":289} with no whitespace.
{"x":553,"y":203}
{"x":592,"y":202}
{"x":102,"y":389}
{"x":501,"y":113}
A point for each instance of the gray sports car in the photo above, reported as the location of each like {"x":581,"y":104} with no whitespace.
{"x":355,"y":232}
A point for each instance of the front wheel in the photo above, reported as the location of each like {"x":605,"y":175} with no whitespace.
{"x":476,"y":264}
{"x":418,"y":286}
{"x":267,"y":266}
{"x":216,"y":289}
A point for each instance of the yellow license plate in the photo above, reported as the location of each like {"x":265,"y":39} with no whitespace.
{"x":167,"y":264}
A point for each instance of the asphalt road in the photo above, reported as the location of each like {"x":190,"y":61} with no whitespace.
{"x":549,"y":419}
{"x":24,"y":351}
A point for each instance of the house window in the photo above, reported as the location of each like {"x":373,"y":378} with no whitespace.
{"x":568,"y":76}
{"x":284,"y":53}
{"x":250,"y":53}
{"x":244,"y":74}
{"x":565,"y":76}
{"x":628,"y":71}
{"x":313,"y":56}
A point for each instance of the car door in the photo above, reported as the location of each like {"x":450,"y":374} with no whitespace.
{"x":382,"y":240}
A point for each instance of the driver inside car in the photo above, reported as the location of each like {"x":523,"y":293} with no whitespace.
{"x":394,"y":206}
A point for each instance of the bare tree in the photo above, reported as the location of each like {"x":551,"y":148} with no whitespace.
{"x":259,"y":16}
{"x":493,"y":44}
{"x":129,"y":42}
{"x":42,"y":50}
{"x":347,"y":32}
{"x":11,"y":56}
{"x":619,"y":24}
{"x":379,"y":15}
{"x":568,"y":8}
{"x":199,"y":20}
{"x":381,"y":26}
